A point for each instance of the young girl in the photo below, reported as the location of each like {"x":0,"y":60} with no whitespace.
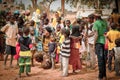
{"x":58,"y":28}
{"x":65,"y":53}
{"x":11,"y":30}
{"x":75,"y":46}
{"x":117,"y":57}
{"x":52,"y":49}
{"x":25,"y":54}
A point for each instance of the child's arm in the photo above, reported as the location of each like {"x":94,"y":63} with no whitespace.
{"x":109,"y":39}
{"x":55,"y":48}
{"x":107,"y":36}
{"x":4,"y":29}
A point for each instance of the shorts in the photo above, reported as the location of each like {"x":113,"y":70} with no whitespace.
{"x":10,"y":50}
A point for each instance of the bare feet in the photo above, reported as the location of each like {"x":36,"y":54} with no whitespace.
{"x":27,"y":74}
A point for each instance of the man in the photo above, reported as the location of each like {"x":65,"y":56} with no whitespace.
{"x":99,"y":27}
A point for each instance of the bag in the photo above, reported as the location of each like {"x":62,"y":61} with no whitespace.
{"x":38,"y":56}
{"x":46,"y":64}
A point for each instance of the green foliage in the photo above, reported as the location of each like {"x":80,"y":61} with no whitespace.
{"x":90,"y":3}
{"x":22,"y":5}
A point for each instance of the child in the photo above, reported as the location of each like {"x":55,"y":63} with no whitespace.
{"x":112,"y":35}
{"x":62,"y":38}
{"x":117,"y":57}
{"x":11,"y":30}
{"x":25,"y":54}
{"x":65,"y":53}
{"x":46,"y":38}
{"x":46,"y":22}
{"x":20,"y":33}
{"x":59,"y":23}
{"x":58,"y":28}
{"x":52,"y":49}
{"x":33,"y":38}
{"x":68,"y":24}
{"x":74,"y":59}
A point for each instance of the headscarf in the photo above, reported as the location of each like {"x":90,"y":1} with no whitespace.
{"x":75,"y":31}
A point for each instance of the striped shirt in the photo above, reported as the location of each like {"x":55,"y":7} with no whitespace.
{"x":65,"y":48}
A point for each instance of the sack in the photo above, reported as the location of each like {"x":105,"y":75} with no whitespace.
{"x":38,"y":56}
{"x":46,"y":64}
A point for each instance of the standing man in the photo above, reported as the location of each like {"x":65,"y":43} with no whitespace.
{"x":99,"y":27}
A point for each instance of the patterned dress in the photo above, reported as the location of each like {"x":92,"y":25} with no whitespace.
{"x":74,"y":54}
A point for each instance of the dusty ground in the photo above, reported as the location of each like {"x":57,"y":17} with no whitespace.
{"x":40,"y":74}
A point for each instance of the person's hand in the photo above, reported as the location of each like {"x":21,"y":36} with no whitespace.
{"x":110,"y":41}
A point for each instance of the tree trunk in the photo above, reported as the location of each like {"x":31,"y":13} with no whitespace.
{"x":117,"y":7}
{"x":63,"y":6}
{"x":34,"y":4}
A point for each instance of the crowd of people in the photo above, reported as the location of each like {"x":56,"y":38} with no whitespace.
{"x":32,"y":36}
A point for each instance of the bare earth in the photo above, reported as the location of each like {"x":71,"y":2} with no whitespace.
{"x":38,"y":73}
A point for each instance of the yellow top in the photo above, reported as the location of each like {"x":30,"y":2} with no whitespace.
{"x":112,"y":35}
{"x":25,"y":54}
{"x":62,"y":38}
{"x":54,"y":22}
{"x":45,"y":44}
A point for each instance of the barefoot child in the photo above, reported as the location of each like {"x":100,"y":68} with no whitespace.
{"x":112,"y":35}
{"x":25,"y":54}
{"x":52,"y":49}
{"x":11,"y":30}
{"x":65,"y":53}
{"x":58,"y":33}
{"x":117,"y":57}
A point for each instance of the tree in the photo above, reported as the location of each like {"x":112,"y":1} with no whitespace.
{"x":46,"y":6}
{"x":97,"y":4}
{"x":62,"y":6}
{"x":34,"y":4}
{"x":29,"y":7}
{"x":22,"y":5}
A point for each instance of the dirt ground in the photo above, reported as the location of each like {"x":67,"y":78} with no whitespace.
{"x":37,"y":73}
